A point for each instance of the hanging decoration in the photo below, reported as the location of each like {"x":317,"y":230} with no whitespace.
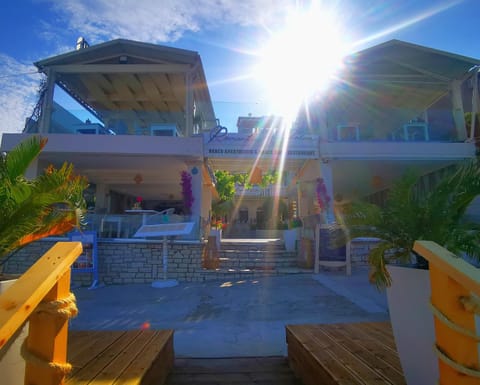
{"x":187,"y":194}
{"x":322,"y":196}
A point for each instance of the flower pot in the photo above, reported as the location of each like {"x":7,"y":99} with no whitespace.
{"x":217,"y":233}
{"x":12,"y":365}
{"x":290,"y":238}
{"x":412,"y":323}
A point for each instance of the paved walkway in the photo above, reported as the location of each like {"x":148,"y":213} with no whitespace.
{"x":228,"y":319}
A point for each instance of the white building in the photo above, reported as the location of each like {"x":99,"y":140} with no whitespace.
{"x":145,"y":115}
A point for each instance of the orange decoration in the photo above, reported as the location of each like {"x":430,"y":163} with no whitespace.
{"x":256,"y":176}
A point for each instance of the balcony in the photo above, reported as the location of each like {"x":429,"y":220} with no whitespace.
{"x":257,"y":191}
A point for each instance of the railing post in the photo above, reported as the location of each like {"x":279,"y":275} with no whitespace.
{"x":458,"y":347}
{"x":455,"y":288}
{"x":47,"y":340}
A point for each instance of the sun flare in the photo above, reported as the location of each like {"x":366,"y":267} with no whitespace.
{"x":300,"y":59}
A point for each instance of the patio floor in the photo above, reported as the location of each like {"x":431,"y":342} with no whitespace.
{"x":232,"y":319}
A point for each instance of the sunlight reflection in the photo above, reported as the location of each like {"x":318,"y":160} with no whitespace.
{"x":301,"y":58}
{"x":407,"y":23}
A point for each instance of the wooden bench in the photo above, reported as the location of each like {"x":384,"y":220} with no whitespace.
{"x":358,"y":353}
{"x":120,"y":357}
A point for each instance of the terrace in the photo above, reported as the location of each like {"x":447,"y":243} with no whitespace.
{"x":329,"y":343}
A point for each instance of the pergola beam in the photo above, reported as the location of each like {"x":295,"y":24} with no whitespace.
{"x":121,"y":68}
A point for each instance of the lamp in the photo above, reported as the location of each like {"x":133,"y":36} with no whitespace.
{"x":138,"y":178}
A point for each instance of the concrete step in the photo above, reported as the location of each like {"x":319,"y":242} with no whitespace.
{"x":231,"y":274}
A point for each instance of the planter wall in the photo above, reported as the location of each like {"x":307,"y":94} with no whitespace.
{"x":412,"y":323}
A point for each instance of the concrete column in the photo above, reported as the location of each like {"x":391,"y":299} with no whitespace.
{"x":458,"y":112}
{"x":195,"y":171}
{"x":44,"y":124}
{"x":32,"y":170}
{"x":101,"y":197}
{"x":327,"y":176}
{"x":189,"y":104}
{"x":475,"y":104}
{"x":322,"y":124}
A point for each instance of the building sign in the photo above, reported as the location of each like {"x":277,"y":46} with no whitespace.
{"x":252,"y":146}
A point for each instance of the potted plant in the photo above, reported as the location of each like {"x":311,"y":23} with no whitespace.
{"x":410,"y":214}
{"x":51,"y":204}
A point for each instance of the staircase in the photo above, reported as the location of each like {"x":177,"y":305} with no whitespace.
{"x":232,"y":371}
{"x":247,"y":259}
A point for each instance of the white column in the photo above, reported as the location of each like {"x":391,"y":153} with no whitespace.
{"x":44,"y":124}
{"x":100,"y":197}
{"x":322,"y":124}
{"x":299,"y":204}
{"x":458,"y":113}
{"x":475,"y":103}
{"x":197,"y":187}
{"x":327,"y":176}
{"x":32,"y":170}
{"x":188,"y":104}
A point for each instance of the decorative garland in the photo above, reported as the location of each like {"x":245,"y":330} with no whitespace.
{"x":322,"y":196}
{"x":187,"y":191}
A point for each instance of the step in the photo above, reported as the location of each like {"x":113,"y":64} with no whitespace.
{"x":230,"y":274}
{"x":232,"y":371}
{"x":255,"y":264}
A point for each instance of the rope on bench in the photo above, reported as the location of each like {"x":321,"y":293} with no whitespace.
{"x":65,"y":308}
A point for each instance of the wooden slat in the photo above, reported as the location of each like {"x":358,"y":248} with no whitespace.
{"x":369,"y":352}
{"x":344,"y":354}
{"x":84,"y":347}
{"x":158,"y":351}
{"x":101,"y":359}
{"x":120,"y":357}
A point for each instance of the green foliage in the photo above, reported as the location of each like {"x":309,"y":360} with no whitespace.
{"x":409,"y":214}
{"x":243,"y":180}
{"x":269,"y":178}
{"x":50,"y":204}
{"x":225,"y":185}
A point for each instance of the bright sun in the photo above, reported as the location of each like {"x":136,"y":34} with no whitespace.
{"x":300,"y":59}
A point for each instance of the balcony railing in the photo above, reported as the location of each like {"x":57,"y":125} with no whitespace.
{"x":257,"y":191}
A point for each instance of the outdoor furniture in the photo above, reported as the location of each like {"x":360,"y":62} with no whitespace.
{"x":348,"y":132}
{"x":111,"y":225}
{"x":416,"y":131}
{"x":113,"y":357}
{"x":145,"y":214}
{"x":347,"y":353}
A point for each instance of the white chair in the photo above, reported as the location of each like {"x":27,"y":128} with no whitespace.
{"x":108,"y":225}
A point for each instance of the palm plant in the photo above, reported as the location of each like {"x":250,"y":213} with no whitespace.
{"x":409,"y":215}
{"x":51,"y":204}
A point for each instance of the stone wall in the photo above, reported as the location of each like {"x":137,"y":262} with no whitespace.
{"x":124,"y":262}
{"x":142,"y":261}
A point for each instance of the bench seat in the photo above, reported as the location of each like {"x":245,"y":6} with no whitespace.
{"x":120,"y":357}
{"x":354,"y":354}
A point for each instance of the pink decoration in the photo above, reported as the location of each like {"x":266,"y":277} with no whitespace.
{"x":187,"y":191}
{"x":322,"y":195}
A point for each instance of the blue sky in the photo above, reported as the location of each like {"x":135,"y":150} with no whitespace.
{"x":228,"y":34}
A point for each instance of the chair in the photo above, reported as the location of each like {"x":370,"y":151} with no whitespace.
{"x":108,"y":225}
